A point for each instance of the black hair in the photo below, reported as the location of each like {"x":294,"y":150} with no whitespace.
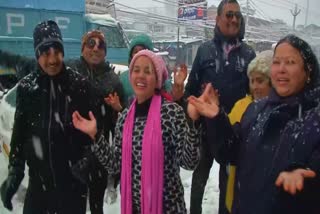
{"x":224,"y":2}
{"x":131,"y":51}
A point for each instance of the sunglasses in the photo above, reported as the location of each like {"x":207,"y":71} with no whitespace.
{"x":230,"y":14}
{"x":91,"y":43}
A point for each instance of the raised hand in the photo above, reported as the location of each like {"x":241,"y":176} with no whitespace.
{"x":292,"y":182}
{"x":206,"y":105}
{"x":114,"y":101}
{"x":179,"y":76}
{"x":88,"y":127}
{"x":178,"y":81}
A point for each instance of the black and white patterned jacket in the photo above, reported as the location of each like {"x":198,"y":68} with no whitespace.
{"x":181,"y":149}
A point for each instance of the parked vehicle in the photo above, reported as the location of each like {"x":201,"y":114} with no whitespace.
{"x":18,"y":19}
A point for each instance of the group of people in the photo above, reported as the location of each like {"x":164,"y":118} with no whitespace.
{"x":257,"y":116}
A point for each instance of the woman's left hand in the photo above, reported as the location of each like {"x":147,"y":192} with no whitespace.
{"x":114,"y":101}
{"x":206,"y":105}
{"x":88,"y":127}
{"x":293,"y":181}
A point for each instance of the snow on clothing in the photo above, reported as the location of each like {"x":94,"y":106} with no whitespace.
{"x":181,"y":148}
{"x":275,"y":134}
{"x":235,"y":117}
{"x":222,"y":62}
{"x":47,"y":34}
{"x":105,"y":81}
{"x":43,"y":136}
{"x":226,"y":71}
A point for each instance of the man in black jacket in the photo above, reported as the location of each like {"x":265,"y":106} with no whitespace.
{"x":43,"y":135}
{"x":222,"y":61}
{"x":92,"y":65}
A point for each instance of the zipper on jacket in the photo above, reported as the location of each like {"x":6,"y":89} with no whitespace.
{"x":51,"y":95}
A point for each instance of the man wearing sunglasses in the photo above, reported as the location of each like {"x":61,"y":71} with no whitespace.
{"x":222,"y":61}
{"x":92,"y":65}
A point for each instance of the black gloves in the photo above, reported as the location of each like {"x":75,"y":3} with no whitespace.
{"x":10,"y":186}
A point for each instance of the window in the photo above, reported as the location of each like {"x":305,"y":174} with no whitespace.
{"x":114,"y":37}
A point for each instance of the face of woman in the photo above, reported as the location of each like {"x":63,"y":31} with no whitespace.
{"x":288,"y":75}
{"x":259,"y":85}
{"x":143,"y":79}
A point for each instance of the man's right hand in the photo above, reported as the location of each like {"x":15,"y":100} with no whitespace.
{"x":88,"y":127}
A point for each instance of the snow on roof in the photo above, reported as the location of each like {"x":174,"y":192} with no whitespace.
{"x":101,"y":19}
{"x":182,"y":40}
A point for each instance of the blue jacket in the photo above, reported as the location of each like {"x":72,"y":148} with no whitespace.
{"x":275,"y":134}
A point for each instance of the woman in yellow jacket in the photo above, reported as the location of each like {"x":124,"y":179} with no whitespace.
{"x":260,"y":85}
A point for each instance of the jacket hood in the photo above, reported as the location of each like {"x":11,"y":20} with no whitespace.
{"x":218,"y":36}
{"x":143,"y":40}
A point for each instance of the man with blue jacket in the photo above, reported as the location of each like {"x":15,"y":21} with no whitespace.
{"x":222,"y":61}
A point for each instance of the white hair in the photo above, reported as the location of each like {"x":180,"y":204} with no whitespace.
{"x":261,"y":64}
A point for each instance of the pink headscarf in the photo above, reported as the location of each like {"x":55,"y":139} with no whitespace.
{"x":152,"y":149}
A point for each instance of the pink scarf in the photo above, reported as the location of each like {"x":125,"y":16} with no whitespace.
{"x":152,"y":161}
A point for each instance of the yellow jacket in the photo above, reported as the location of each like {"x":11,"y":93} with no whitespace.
{"x":235,"y":116}
{"x":239,"y":108}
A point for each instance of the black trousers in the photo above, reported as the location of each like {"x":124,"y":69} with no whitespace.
{"x":199,"y":181}
{"x":55,"y":201}
{"x":97,"y":187}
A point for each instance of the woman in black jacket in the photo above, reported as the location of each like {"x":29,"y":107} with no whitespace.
{"x":276,"y":146}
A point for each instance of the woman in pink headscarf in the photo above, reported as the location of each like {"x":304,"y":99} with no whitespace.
{"x":152,"y":141}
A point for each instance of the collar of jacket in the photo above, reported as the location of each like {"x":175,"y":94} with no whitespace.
{"x":307,"y":97}
{"x":99,"y":69}
{"x":61,"y":79}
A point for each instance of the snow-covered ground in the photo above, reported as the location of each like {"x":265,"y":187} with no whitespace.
{"x":210,"y":200}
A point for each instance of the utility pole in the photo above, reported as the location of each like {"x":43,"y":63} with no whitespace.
{"x":178,"y":46}
{"x":178,"y":36}
{"x":295,"y":13}
{"x":247,"y":19}
{"x":307,"y":14}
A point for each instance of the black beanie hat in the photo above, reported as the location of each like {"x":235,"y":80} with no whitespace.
{"x":45,"y":35}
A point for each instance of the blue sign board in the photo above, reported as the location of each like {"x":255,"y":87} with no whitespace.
{"x":190,"y":13}
{"x":69,"y":5}
{"x":192,"y":9}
